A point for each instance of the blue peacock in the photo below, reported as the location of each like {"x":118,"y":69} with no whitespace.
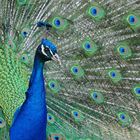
{"x":31,"y":116}
{"x":94,"y":94}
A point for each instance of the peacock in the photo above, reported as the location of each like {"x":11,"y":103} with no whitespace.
{"x":94,"y":94}
{"x":31,"y":116}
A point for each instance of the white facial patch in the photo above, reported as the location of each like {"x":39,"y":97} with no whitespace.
{"x":54,"y":57}
{"x":51,"y":52}
{"x":42,"y":49}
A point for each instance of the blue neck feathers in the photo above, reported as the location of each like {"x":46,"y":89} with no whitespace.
{"x":30,"y":122}
{"x":37,"y":73}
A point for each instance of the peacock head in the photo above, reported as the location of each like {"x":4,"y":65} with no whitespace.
{"x":48,"y":51}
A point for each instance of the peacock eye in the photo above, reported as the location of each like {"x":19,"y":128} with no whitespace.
{"x":46,"y":49}
{"x":2,"y":122}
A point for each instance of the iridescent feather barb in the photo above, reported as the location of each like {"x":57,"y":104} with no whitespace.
{"x":95,"y":93}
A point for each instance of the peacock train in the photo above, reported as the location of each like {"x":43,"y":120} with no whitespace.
{"x":69,"y":69}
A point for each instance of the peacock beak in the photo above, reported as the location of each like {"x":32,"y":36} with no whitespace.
{"x":56,"y":58}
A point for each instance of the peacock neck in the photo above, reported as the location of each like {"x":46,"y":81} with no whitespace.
{"x":37,"y":79}
{"x":37,"y":69}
